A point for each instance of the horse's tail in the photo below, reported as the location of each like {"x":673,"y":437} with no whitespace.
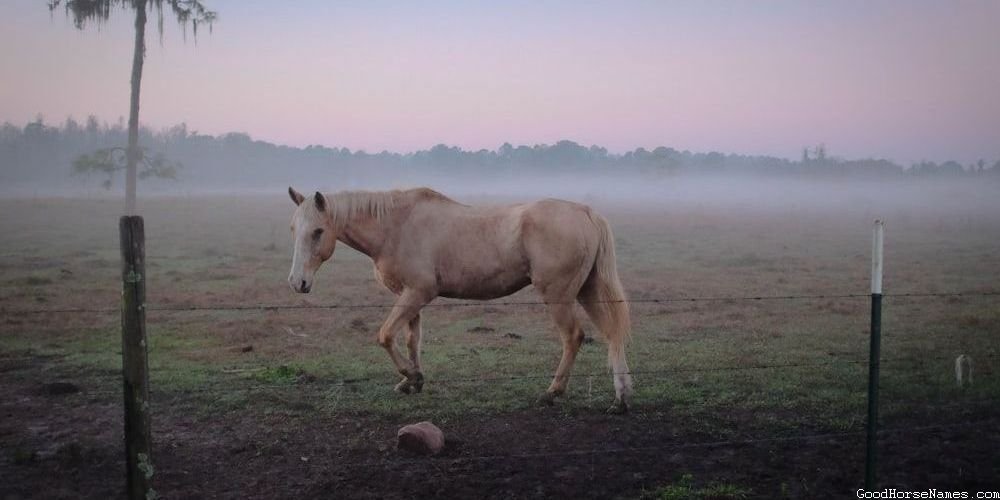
{"x":604,"y":300}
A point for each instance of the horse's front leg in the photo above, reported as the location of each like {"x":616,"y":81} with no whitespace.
{"x":413,"y":346}
{"x":404,"y":311}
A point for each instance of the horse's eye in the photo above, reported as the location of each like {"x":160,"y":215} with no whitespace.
{"x":317,"y":233}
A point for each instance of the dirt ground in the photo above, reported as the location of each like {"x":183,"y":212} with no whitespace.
{"x":535,"y":453}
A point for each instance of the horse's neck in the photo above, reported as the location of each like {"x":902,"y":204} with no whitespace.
{"x":364,"y":234}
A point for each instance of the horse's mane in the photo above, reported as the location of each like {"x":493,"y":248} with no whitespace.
{"x":346,"y":205}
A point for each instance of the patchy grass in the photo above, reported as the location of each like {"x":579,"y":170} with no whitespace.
{"x":282,"y":374}
{"x":684,"y":489}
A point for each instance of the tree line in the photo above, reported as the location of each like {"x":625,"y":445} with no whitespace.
{"x":39,"y":152}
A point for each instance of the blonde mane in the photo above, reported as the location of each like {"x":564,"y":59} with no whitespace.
{"x":346,"y":205}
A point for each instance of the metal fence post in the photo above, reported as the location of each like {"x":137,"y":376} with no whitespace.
{"x":874,"y":356}
{"x":135,"y":366}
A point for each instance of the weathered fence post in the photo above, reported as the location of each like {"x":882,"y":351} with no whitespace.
{"x":874,"y":356}
{"x":135,"y":372}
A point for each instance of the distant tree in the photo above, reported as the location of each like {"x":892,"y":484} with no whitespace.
{"x":665,"y":159}
{"x":821,"y":152}
{"x":71,"y":126}
{"x":640,"y":155}
{"x":109,"y":161}
{"x":951,"y":168}
{"x":506,"y":151}
{"x":443,"y":155}
{"x":714,"y":160}
{"x":92,"y":127}
{"x":99,"y":11}
{"x":36,"y":151}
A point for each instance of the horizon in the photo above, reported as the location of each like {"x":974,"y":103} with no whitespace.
{"x":902,"y":81}
{"x":121,"y":126}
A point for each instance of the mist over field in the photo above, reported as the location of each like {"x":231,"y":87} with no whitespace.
{"x":40,"y":160}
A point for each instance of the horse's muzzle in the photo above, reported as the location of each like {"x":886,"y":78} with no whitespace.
{"x":301,"y":286}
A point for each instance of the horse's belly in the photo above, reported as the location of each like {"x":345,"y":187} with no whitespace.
{"x":469,"y":284}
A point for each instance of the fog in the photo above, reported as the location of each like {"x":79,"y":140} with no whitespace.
{"x":740,"y":192}
{"x":636,"y":192}
{"x":40,"y":160}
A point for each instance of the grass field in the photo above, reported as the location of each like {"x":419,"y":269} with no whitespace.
{"x":288,"y":403}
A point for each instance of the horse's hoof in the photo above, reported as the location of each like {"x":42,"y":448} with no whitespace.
{"x":619,"y":407}
{"x":546,"y":399}
{"x":411,"y":384}
{"x":403,"y":387}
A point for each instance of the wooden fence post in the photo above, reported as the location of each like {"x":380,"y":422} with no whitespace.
{"x":135,"y":367}
{"x":874,"y":355}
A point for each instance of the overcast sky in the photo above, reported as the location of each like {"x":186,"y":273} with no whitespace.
{"x":905,"y":80}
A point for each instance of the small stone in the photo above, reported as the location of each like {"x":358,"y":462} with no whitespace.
{"x":512,"y":335}
{"x":423,"y":438}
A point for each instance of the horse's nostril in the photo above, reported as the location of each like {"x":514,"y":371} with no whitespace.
{"x":303,"y":286}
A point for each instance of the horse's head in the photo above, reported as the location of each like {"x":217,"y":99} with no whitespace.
{"x":313,"y":236}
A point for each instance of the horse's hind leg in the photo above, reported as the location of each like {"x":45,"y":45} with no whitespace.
{"x":600,"y":313}
{"x":572,"y":338}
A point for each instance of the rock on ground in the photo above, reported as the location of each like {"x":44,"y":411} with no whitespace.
{"x":423,"y":438}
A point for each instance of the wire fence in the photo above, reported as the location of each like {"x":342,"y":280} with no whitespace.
{"x":541,"y":376}
{"x":761,"y":402}
{"x":243,"y":380}
{"x":486,"y":303}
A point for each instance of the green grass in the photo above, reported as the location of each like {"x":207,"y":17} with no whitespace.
{"x":684,"y":489}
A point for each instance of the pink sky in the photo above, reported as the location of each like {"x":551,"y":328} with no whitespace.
{"x":906,"y":80}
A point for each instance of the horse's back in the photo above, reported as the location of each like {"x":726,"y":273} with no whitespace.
{"x":474,"y":252}
{"x":483,"y":252}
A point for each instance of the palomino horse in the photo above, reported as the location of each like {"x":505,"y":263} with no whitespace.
{"x":425,"y":245}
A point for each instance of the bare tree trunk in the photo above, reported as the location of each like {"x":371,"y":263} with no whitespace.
{"x":134,"y":154}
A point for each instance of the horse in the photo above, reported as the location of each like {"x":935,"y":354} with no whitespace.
{"x":425,"y":245}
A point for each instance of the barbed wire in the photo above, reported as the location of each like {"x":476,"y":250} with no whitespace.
{"x":305,"y":380}
{"x":664,"y":300}
{"x":68,"y":310}
{"x":941,"y":294}
{"x":335,"y":390}
{"x":922,"y":360}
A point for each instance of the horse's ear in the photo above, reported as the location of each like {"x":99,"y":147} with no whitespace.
{"x":296,"y":196}
{"x":320,"y":201}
